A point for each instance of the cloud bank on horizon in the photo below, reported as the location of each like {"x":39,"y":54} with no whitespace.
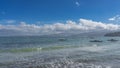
{"x":83,"y":25}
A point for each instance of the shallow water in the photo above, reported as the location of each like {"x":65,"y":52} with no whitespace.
{"x":50,"y":52}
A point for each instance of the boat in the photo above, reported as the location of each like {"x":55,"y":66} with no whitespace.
{"x":62,"y":39}
{"x":112,"y":40}
{"x":96,"y":41}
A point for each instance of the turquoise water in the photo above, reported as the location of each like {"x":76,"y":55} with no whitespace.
{"x":51,"y":52}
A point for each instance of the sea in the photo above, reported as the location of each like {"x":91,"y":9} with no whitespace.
{"x":59,"y":52}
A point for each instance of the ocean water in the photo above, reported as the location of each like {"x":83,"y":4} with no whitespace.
{"x":52,"y":52}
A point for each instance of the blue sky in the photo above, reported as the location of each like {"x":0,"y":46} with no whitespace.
{"x":39,"y":17}
{"x":49,"y":11}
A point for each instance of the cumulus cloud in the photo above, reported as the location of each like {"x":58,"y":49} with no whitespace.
{"x":92,"y":25}
{"x":82,"y":26}
{"x":115,"y":18}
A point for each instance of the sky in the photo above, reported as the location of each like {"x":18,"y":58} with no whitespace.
{"x":58,"y":16}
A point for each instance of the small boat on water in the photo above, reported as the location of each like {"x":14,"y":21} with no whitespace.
{"x":112,"y":40}
{"x":96,"y":41}
{"x":62,"y":39}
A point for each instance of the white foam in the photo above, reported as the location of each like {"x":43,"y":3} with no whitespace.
{"x":94,"y":48}
{"x":39,"y":49}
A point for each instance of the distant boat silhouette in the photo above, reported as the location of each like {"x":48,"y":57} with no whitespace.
{"x":96,"y":41}
{"x":112,"y":40}
{"x":62,"y":39}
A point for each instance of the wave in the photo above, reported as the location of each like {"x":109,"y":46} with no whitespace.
{"x":18,"y":50}
{"x":93,"y":48}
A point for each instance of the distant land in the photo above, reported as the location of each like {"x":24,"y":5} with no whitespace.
{"x":112,"y":34}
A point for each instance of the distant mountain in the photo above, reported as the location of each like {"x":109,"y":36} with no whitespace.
{"x":113,"y":34}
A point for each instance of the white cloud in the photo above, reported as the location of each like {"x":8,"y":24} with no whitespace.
{"x":83,"y":25}
{"x":115,"y":18}
{"x":111,"y":19}
{"x":77,"y":3}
